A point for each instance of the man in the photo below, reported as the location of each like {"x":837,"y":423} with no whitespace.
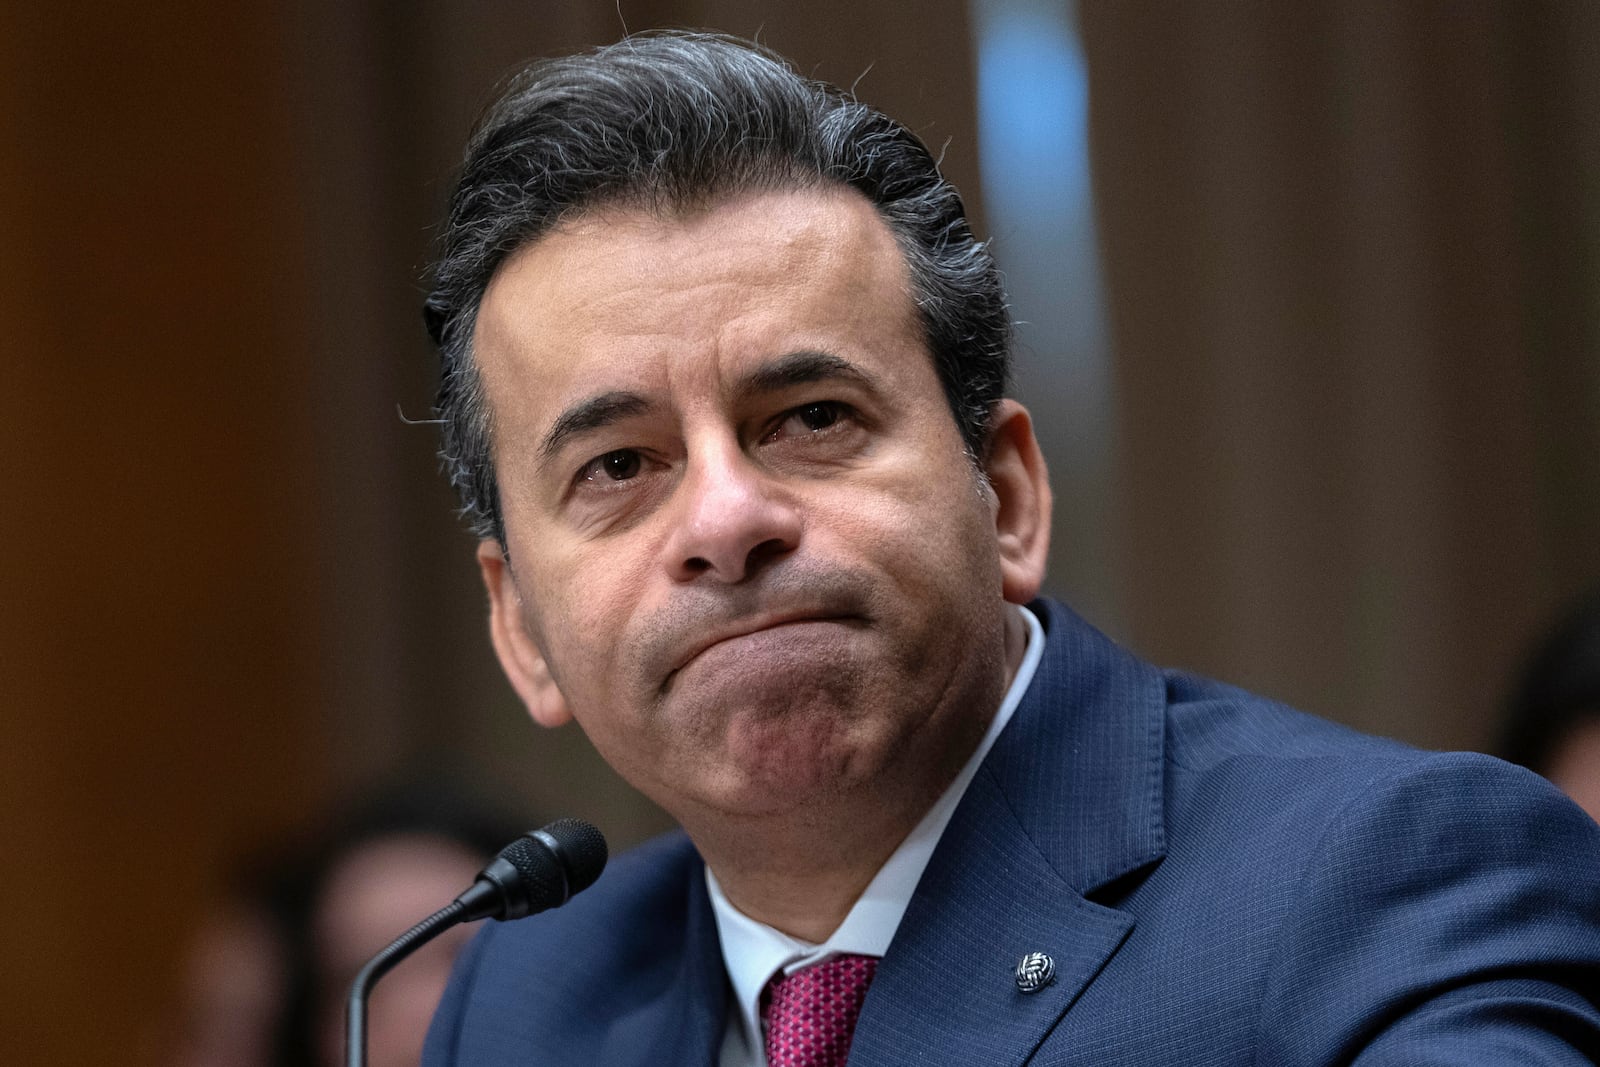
{"x":723,"y":372}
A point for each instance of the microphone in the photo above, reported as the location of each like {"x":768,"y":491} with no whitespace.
{"x":542,"y":869}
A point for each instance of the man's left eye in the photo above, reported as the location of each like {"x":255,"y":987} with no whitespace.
{"x":809,"y":419}
{"x":818,"y":416}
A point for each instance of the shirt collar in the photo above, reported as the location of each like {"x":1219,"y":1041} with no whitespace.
{"x":753,"y":951}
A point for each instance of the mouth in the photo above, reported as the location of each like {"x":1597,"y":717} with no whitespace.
{"x":748,"y":627}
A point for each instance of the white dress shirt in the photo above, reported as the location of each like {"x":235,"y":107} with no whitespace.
{"x":753,"y":952}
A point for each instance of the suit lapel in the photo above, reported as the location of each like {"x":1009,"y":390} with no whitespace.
{"x":1068,"y":800}
{"x":946,"y":992}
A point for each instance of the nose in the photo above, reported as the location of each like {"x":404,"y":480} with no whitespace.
{"x":734,"y":519}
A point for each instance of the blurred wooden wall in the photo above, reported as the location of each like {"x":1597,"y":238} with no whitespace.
{"x":159,"y":673}
{"x":1352,"y":250}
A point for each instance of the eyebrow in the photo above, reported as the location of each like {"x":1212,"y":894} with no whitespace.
{"x":785,"y":372}
{"x":592,"y":414}
{"x":798,"y":368}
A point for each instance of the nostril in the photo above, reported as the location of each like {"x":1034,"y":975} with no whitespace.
{"x":696,"y":565}
{"x":765,"y":552}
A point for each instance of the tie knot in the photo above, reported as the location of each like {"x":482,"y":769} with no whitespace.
{"x":811,"y":1014}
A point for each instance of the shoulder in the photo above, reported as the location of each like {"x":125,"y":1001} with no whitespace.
{"x":1291,"y":885}
{"x":1419,"y":889}
{"x":1446,"y":891}
{"x":522,"y":981}
{"x":617,"y":924}
{"x":1253,"y":770}
{"x":1229,"y":753}
{"x":639,"y":889}
{"x":1210,"y":723}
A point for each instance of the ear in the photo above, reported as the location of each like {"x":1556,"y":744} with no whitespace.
{"x":1021,"y":485}
{"x":520,"y":655}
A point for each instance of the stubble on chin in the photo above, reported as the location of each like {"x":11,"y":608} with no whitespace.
{"x":757,"y":741}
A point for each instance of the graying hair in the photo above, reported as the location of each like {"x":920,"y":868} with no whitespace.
{"x":674,"y":121}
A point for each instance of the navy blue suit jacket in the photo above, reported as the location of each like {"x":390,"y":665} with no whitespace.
{"x":1220,"y":880}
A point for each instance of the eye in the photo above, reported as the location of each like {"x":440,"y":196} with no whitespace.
{"x":618,"y":466}
{"x":818,"y":416}
{"x":809,"y":419}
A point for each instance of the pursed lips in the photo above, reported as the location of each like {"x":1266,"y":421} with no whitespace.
{"x":746,"y":627}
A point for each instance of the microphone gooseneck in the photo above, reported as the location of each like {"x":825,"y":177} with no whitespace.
{"x":542,"y":869}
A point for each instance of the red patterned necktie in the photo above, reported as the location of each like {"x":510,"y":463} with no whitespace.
{"x":811,"y":1014}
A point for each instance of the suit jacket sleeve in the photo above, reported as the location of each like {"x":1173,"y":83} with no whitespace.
{"x":1447,"y":916}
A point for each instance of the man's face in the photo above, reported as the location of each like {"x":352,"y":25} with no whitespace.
{"x":746,"y":549}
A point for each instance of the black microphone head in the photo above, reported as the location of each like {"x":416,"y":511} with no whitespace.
{"x":582,"y":850}
{"x":539,"y":870}
{"x":536,"y":882}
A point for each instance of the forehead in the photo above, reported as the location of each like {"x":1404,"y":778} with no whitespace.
{"x":635,"y":296}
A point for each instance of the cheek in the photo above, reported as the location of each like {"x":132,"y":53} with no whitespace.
{"x":583,"y":615}
{"x":929,"y":523}
{"x":572,"y":579}
{"x":931,"y":547}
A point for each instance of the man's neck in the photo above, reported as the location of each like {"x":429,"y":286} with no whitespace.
{"x":802,"y":873}
{"x":805,"y":881}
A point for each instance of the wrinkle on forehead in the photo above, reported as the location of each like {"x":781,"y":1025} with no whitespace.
{"x":614,"y":244}
{"x":630,"y":259}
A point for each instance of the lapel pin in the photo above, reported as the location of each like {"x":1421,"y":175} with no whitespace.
{"x":1035,"y":971}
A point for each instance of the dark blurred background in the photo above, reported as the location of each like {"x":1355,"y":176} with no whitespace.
{"x":1311,"y":297}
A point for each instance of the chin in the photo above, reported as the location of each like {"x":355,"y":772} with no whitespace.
{"x":796,"y":762}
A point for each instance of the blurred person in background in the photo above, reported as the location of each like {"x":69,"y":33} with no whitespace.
{"x":268,"y":972}
{"x":1553,"y":714}
{"x":235,"y":990}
